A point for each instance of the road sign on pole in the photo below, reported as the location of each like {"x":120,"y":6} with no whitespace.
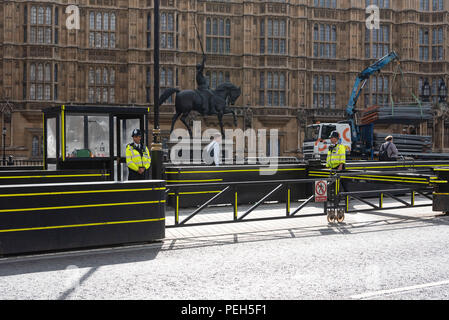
{"x":320,"y":191}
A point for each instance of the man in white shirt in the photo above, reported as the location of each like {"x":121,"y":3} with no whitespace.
{"x":213,"y":149}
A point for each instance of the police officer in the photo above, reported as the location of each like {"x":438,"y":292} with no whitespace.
{"x":137,"y":158}
{"x":336,"y":156}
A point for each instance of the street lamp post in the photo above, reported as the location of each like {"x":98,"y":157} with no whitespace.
{"x":156,"y":146}
{"x":4,"y":145}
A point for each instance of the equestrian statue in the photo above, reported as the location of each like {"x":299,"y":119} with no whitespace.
{"x":203,"y":99}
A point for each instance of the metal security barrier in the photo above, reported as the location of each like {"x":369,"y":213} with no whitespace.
{"x":63,"y":216}
{"x":381,"y":194}
{"x":236,"y":189}
{"x":408,"y":184}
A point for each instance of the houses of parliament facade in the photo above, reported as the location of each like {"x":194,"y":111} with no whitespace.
{"x":295,"y":60}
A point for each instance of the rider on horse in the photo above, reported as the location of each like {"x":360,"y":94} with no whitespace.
{"x":203,"y":89}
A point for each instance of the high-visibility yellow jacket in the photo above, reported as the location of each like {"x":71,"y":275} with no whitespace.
{"x":336,"y":157}
{"x":136,"y":158}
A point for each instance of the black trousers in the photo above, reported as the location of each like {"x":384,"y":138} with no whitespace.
{"x":134,"y":175}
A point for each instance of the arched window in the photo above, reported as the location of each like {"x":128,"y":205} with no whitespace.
{"x":98,"y":24}
{"x":47,"y":92}
{"x":35,"y":146}
{"x":40,"y":72}
{"x":169,"y":77}
{"x":33,"y":15}
{"x":105,"y":76}
{"x":228,"y":28}
{"x":215,"y":27}
{"x":32,"y":92}
{"x":40,"y":15}
{"x":162,"y":77}
{"x":112,"y":21}
{"x":33,"y":72}
{"x":98,"y":76}
{"x":92,"y":21}
{"x":208,"y":26}
{"x":221,"y":28}
{"x":149,"y":22}
{"x":47,"y":73}
{"x":112,"y":77}
{"x":91,"y":76}
{"x":106,"y":21}
{"x":48,"y":16}
{"x":220,"y":78}
{"x":163,"y":22}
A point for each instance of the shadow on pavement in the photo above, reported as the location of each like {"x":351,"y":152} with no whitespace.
{"x":93,"y":259}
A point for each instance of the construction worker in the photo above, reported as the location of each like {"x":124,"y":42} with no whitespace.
{"x":137,"y":158}
{"x":336,"y":156}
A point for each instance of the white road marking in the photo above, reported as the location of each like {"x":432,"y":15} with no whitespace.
{"x":399,"y":290}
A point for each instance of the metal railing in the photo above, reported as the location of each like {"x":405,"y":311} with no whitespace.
{"x":336,"y":195}
{"x":20,"y":163}
{"x":236,"y":189}
{"x":381,"y":194}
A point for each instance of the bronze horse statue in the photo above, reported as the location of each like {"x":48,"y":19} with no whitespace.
{"x":187,"y":100}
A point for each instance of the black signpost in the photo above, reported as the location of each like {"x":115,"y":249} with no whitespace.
{"x":156,"y":146}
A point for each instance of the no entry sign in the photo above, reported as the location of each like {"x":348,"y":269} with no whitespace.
{"x":320,"y":191}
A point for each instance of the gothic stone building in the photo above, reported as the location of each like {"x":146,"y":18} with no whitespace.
{"x":295,"y":60}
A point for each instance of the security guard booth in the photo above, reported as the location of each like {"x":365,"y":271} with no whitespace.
{"x":91,"y":137}
{"x":70,"y":203}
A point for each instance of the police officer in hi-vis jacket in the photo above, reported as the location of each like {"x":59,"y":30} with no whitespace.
{"x":137,"y":158}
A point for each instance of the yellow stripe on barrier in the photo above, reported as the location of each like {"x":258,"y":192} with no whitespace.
{"x":228,"y":171}
{"x":58,"y":176}
{"x":81,"y":206}
{"x":194,"y":192}
{"x":63,"y":132}
{"x":440,"y":194}
{"x":401,"y":166}
{"x":211,"y":180}
{"x":82,"y":225}
{"x":177,"y":209}
{"x":392,"y":177}
{"x":389,"y":180}
{"x":75,"y":192}
{"x":43,"y":144}
{"x":236,"y":212}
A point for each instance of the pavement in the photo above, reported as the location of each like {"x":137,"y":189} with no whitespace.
{"x":388,"y":254}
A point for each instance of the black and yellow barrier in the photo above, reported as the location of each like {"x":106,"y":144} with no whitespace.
{"x":421,"y":165}
{"x":441,"y":193}
{"x":203,"y":176}
{"x":46,"y":217}
{"x":48,"y":176}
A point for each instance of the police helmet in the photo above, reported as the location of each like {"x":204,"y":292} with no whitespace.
{"x":334,"y":134}
{"x":136,"y":132}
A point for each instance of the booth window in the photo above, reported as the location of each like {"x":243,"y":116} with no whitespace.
{"x":51,"y":138}
{"x":87,"y":136}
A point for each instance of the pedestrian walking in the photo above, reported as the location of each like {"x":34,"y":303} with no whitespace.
{"x":388,"y":150}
